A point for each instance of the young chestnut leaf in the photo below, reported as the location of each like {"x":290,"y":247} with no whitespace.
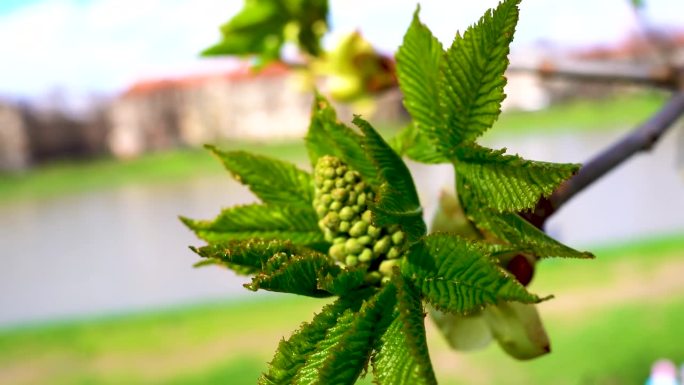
{"x":402,"y":355}
{"x":258,"y":221}
{"x":273,"y":181}
{"x":458,"y":276}
{"x":355,"y":228}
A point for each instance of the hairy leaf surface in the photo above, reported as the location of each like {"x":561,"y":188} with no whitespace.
{"x":507,"y":183}
{"x":346,"y":361}
{"x":299,"y":274}
{"x":514,"y":230}
{"x":402,"y":356}
{"x":252,"y":254}
{"x":398,"y":201}
{"x":272,"y":180}
{"x":328,"y":136}
{"x":414,"y":144}
{"x":342,"y":281}
{"x":474,"y":76}
{"x":261,"y":221}
{"x":458,"y":276}
{"x":292,"y":354}
{"x":331,"y":346}
{"x":419,"y":61}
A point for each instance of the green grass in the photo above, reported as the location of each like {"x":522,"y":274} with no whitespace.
{"x":611,"y":346}
{"x":611,"y":262}
{"x":618,"y":113}
{"x":231,"y":342}
{"x":78,"y":177}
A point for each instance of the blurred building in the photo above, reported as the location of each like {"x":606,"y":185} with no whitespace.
{"x":14,"y":148}
{"x":269,"y":104}
{"x":30,"y":135}
{"x":241,"y":104}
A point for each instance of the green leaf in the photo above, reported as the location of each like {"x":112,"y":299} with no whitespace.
{"x":327,"y":136}
{"x":344,"y":362}
{"x":419,"y":62}
{"x":417,"y":146}
{"x":507,"y":183}
{"x":272,"y":180}
{"x":308,"y":373}
{"x":312,"y":19}
{"x":292,"y":354}
{"x":332,"y":342}
{"x":402,"y":356}
{"x":398,"y":201}
{"x":297,"y":275}
{"x":474,"y":76}
{"x":456,"y":275}
{"x":252,"y":254}
{"x":262,"y":26}
{"x":256,"y":30}
{"x":341,"y":282}
{"x":261,"y":221}
{"x":516,"y":231}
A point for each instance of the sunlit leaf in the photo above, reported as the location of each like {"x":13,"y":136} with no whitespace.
{"x":402,"y":356}
{"x":507,"y":183}
{"x":272,"y":180}
{"x":456,"y":275}
{"x":261,"y":221}
{"x":328,"y":136}
{"x":474,"y":79}
{"x":419,"y":63}
{"x":398,"y":201}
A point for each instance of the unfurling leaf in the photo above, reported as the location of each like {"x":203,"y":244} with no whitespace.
{"x":351,"y":356}
{"x":402,"y":356}
{"x":253,"y":254}
{"x":518,"y":329}
{"x":474,"y":79}
{"x":463,"y":332}
{"x":296,"y":275}
{"x":456,"y":275}
{"x":293,"y":354}
{"x":419,"y":63}
{"x":414,"y":144}
{"x":397,"y":201}
{"x":328,"y":136}
{"x":516,"y":232}
{"x":507,"y":183}
{"x":273,"y":181}
{"x":295,"y":224}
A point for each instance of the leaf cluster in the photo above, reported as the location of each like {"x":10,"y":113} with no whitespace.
{"x":453,"y":96}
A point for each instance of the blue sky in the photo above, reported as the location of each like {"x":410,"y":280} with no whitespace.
{"x":83,"y":46}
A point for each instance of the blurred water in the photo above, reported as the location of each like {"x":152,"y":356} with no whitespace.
{"x":124,"y":249}
{"x":109,"y":251}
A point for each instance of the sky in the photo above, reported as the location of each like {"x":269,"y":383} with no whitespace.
{"x":80,"y":47}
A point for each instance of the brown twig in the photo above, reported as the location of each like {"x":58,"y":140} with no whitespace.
{"x":640,"y":139}
{"x":649,"y":75}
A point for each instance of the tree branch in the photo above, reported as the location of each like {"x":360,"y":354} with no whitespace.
{"x":659,"y":76}
{"x":640,"y":139}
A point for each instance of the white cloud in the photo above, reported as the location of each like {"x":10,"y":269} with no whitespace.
{"x":106,"y":44}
